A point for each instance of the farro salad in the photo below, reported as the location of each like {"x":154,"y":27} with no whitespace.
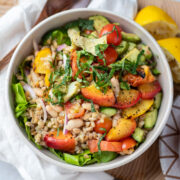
{"x":88,"y":92}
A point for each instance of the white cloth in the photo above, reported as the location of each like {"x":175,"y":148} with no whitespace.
{"x":14,"y":25}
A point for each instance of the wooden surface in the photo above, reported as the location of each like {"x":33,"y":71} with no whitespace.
{"x":147,"y":166}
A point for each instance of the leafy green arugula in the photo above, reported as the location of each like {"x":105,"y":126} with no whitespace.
{"x":83,"y":24}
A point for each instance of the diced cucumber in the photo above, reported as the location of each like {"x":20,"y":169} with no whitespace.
{"x":122,"y":47}
{"x":147,"y":51}
{"x":138,"y":135}
{"x":131,"y":46}
{"x":73,"y":89}
{"x":150,"y":119}
{"x":157,"y":101}
{"x":93,"y":35}
{"x":99,"y":22}
{"x":108,"y":111}
{"x":133,"y":55}
{"x":130,"y":37}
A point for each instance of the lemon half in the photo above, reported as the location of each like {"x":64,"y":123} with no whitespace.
{"x":157,"y":22}
{"x":171,"y":47}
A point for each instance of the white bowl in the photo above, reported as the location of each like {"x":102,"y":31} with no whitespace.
{"x":25,"y":48}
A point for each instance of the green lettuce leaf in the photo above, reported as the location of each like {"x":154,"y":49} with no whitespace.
{"x":20,"y":97}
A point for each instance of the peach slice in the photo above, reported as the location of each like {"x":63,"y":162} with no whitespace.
{"x":98,"y":97}
{"x":123,"y":129}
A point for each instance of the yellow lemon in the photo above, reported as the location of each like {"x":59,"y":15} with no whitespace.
{"x":171,"y":47}
{"x":157,"y":22}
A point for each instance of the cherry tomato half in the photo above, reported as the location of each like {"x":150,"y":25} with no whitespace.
{"x":74,"y":109}
{"x":107,"y":124}
{"x":113,"y":33}
{"x":110,"y":55}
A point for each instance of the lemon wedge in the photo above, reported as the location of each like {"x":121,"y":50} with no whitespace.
{"x":171,"y":47}
{"x":157,"y":22}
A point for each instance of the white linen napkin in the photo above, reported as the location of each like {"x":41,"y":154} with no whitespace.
{"x":14,"y":25}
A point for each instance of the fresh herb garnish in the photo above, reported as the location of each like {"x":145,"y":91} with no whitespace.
{"x":110,"y":31}
{"x":99,"y":50}
{"x":124,"y":85}
{"x":57,"y":132}
{"x":100,"y":139}
{"x":129,"y":66}
{"x":68,"y":72}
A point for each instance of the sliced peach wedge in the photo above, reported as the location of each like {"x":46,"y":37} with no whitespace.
{"x":98,"y":97}
{"x":127,"y":98}
{"x":123,"y":129}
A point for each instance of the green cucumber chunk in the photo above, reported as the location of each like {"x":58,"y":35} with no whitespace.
{"x":122,"y":48}
{"x":73,"y":89}
{"x":130,"y":37}
{"x":99,"y":22}
{"x":147,"y":52}
{"x":150,"y":119}
{"x":93,"y":35}
{"x":157,"y":100}
{"x":108,"y":111}
{"x":131,"y":46}
{"x":138,"y":135}
{"x":133,"y":55}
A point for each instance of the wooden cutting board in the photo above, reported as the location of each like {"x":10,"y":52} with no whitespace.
{"x":147,"y":166}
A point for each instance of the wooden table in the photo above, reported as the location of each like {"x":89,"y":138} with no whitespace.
{"x":147,"y":166}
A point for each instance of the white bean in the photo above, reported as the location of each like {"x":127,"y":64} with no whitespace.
{"x":57,"y":108}
{"x":51,"y":111}
{"x":74,"y":123}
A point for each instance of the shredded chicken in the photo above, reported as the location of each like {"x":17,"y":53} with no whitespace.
{"x":115,"y":86}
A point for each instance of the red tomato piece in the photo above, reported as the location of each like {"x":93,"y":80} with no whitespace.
{"x":107,"y":124}
{"x":149,"y":90}
{"x":128,"y":143}
{"x":110,"y":55}
{"x":127,"y":98}
{"x":113,"y":33}
{"x":105,"y":146}
{"x":60,"y":142}
{"x":74,"y":109}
